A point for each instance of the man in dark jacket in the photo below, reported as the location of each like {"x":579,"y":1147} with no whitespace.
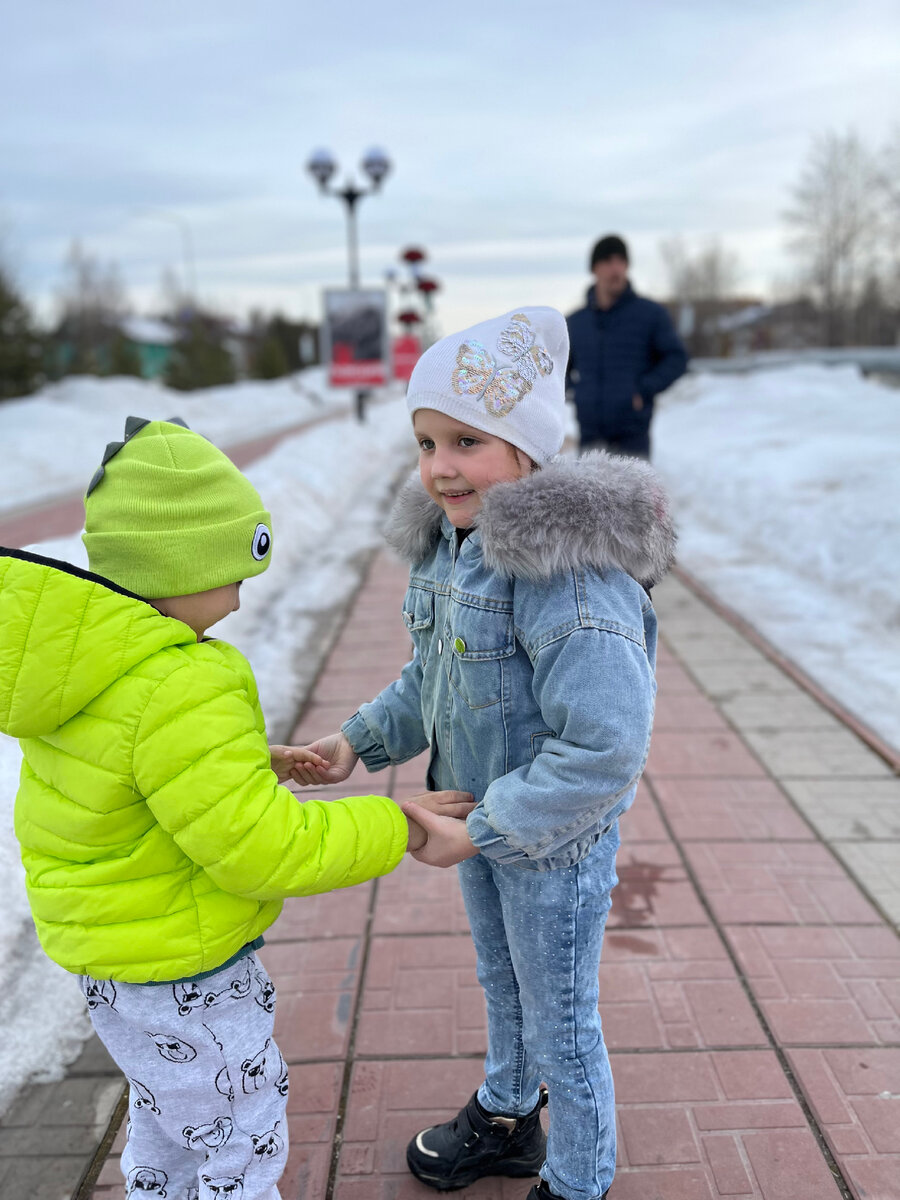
{"x":624,"y":352}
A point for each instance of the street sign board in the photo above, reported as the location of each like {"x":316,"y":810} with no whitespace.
{"x":355,"y":337}
{"x":406,"y":353}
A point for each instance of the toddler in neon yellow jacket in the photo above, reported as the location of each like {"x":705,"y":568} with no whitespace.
{"x":157,"y":843}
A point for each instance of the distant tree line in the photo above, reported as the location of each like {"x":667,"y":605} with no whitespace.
{"x":843,"y":226}
{"x":845,"y":233}
{"x":91,"y":335}
{"x":21,"y":348}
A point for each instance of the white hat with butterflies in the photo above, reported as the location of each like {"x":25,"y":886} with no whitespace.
{"x":506,"y":376}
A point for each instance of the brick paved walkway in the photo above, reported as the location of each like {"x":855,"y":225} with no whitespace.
{"x":750,"y":988}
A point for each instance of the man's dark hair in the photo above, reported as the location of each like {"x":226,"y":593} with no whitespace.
{"x":611,"y":246}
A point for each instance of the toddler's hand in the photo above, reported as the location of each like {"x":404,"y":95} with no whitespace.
{"x":448,"y":839}
{"x":329,"y":760}
{"x":417,"y":836}
{"x":282,"y":762}
{"x":446,"y":804}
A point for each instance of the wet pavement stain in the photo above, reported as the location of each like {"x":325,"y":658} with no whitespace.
{"x":628,"y":941}
{"x":344,"y":1006}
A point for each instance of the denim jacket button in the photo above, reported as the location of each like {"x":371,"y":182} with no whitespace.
{"x":440,"y":645}
{"x":459,"y":646}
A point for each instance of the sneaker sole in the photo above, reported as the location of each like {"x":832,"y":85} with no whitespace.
{"x":512,"y":1168}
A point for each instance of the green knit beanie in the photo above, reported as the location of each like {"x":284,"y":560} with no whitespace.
{"x":167,"y":514}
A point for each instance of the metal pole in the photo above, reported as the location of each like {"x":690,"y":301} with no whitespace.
{"x":352,"y":240}
{"x":351,"y":197}
{"x":188,"y":240}
{"x":187,"y":248}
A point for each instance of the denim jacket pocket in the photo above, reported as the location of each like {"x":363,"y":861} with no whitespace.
{"x":538,"y":739}
{"x":418,"y":616}
{"x":479,"y":640}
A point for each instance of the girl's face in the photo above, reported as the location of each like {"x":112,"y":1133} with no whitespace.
{"x":459,"y":463}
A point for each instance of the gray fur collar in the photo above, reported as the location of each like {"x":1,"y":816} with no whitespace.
{"x":595,"y":511}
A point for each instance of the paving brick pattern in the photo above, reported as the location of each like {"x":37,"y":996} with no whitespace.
{"x":854,"y":1095}
{"x":781,"y":883}
{"x":750,"y":989}
{"x":823,"y":985}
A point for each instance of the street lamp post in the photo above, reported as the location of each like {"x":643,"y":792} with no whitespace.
{"x":187,"y":247}
{"x":322,"y":166}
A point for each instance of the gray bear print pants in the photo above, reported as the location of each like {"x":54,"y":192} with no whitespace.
{"x":208,"y":1103}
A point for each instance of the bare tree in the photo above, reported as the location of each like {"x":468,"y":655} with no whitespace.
{"x":888,"y":180}
{"x":172,"y":295}
{"x":92,"y":302}
{"x":702,"y":282}
{"x":835,"y":218}
{"x":710,"y":273}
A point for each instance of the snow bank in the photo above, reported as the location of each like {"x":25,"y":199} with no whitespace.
{"x":327,"y":490}
{"x":788,"y":501}
{"x":52,"y":441}
{"x":42,"y":1012}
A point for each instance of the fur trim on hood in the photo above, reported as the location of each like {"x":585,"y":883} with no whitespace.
{"x":595,"y":511}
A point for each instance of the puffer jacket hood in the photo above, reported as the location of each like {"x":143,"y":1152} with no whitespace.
{"x":67,"y":635}
{"x":597,"y":511}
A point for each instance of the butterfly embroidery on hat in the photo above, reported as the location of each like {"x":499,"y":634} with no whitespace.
{"x":476,"y":372}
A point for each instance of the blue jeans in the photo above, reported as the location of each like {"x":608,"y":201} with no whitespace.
{"x":538,"y":935}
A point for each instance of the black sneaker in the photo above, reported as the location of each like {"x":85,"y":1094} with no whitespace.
{"x":477,"y":1143}
{"x":541,"y":1191}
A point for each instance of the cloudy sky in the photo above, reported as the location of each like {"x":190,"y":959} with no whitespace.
{"x":519,"y":132}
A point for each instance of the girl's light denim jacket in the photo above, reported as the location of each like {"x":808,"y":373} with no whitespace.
{"x":532,"y":679}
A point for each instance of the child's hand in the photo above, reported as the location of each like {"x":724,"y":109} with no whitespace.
{"x":329,"y":760}
{"x":417,"y":836}
{"x":446,"y":804}
{"x":282,"y":762}
{"x":448,"y":840}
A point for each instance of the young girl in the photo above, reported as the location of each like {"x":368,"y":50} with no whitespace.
{"x":532,"y":686}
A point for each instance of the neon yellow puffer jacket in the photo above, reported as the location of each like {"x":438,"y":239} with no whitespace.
{"x":155,"y":837}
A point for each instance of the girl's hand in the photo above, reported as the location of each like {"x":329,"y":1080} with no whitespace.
{"x":448,"y":839}
{"x":329,"y":760}
{"x":446,"y":804}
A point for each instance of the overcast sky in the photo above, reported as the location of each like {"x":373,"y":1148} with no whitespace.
{"x":519,"y":132}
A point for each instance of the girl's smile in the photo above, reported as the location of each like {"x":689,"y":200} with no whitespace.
{"x":458,"y":463}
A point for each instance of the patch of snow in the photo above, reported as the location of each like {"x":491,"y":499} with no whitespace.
{"x":742,"y":318}
{"x":787,"y":497}
{"x":42,"y":1010}
{"x":148,"y":331}
{"x":54,"y":440}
